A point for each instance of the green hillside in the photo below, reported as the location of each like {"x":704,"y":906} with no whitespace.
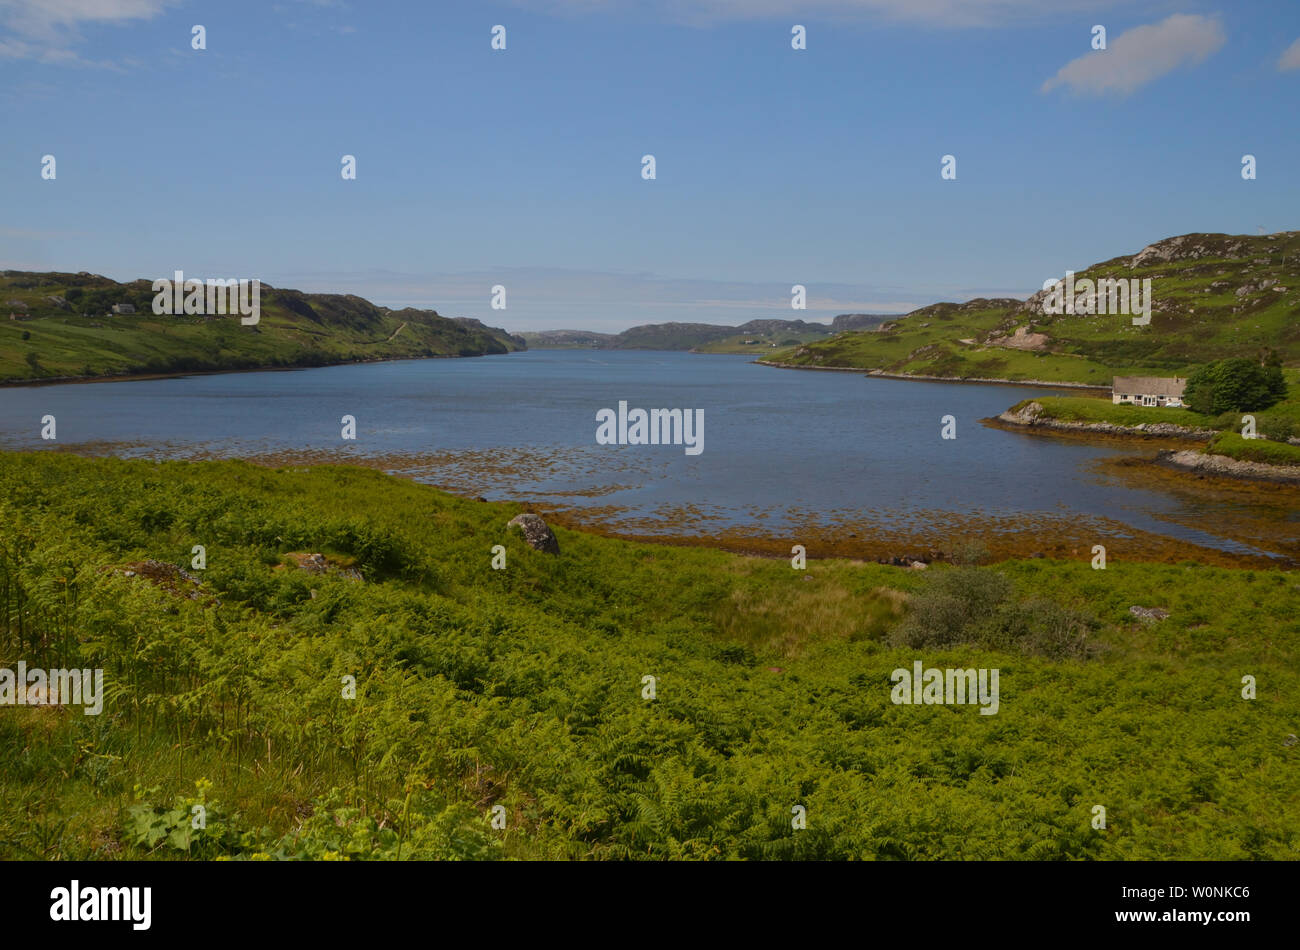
{"x":525,"y":688}
{"x":1215,"y":295}
{"x":62,"y":327}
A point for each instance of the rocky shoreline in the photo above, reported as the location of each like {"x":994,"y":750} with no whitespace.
{"x":1221,"y":466}
{"x":832,"y":369}
{"x":1032,"y":417}
{"x":984,"y":380}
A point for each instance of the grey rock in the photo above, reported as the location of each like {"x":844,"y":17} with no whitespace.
{"x":536,"y":533}
{"x":1149,"y":614}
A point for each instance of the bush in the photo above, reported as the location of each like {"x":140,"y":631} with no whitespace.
{"x":950,"y":608}
{"x":1234,"y":385}
{"x":1041,"y":628}
{"x":1280,"y":429}
{"x":968,"y":605}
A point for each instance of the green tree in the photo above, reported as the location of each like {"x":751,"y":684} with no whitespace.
{"x":1234,"y":385}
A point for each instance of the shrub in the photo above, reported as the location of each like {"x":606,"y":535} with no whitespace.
{"x":951,"y":607}
{"x":1042,"y":628}
{"x":968,"y":605}
{"x":1280,"y":429}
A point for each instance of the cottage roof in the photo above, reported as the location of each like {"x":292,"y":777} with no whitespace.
{"x":1149,"y":385}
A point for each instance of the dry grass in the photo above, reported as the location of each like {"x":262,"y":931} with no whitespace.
{"x":785,"y":622}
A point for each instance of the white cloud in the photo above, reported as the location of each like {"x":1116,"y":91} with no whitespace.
{"x":1140,"y":55}
{"x":46,"y":30}
{"x":949,"y":13}
{"x":1291,"y":58}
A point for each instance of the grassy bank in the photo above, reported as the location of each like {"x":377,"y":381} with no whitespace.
{"x":1234,"y":446}
{"x":63,"y":329}
{"x":524,"y":688}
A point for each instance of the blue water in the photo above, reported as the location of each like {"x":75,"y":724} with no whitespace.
{"x":782,"y":448}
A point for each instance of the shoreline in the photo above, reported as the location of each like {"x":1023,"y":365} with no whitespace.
{"x":1223,"y":466}
{"x":1011,"y":421}
{"x":1005,"y":536}
{"x":138,"y":377}
{"x":916,"y":377}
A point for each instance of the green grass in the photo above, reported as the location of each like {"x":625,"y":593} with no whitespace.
{"x":295,"y":329}
{"x":1198,"y":317}
{"x":523,"y":688}
{"x":1234,"y":446}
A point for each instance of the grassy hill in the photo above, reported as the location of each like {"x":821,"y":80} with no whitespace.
{"x":1215,"y":295}
{"x":524,"y":688}
{"x":63,"y":328}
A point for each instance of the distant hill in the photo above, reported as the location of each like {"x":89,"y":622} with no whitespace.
{"x":1214,"y":295}
{"x":860,"y":321}
{"x":704,"y":337}
{"x":62,"y":326}
{"x":670,"y":336}
{"x":565,"y":339}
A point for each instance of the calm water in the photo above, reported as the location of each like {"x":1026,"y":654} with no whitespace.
{"x":782,"y":449}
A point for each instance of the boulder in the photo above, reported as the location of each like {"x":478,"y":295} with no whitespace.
{"x":1149,"y":613}
{"x":536,"y":533}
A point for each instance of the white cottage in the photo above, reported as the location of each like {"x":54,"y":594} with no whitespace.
{"x":1148,"y":390}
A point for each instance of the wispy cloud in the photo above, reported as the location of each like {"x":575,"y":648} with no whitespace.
{"x":1291,"y":58}
{"x":946,"y":13}
{"x":1140,"y":55}
{"x":47,"y":31}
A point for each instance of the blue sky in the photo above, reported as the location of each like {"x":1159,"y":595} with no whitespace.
{"x":522,"y":167}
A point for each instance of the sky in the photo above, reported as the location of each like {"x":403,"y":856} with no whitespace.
{"x":522,"y":167}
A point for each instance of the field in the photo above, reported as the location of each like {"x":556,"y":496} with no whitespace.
{"x":525,"y":688}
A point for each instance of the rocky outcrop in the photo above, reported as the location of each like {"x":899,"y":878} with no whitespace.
{"x":1225,"y":467}
{"x":1188,"y":246}
{"x":536,"y":533}
{"x":175,"y":580}
{"x":320,"y":564}
{"x":1022,"y":339}
{"x":860,"y":321}
{"x":1149,"y":614}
